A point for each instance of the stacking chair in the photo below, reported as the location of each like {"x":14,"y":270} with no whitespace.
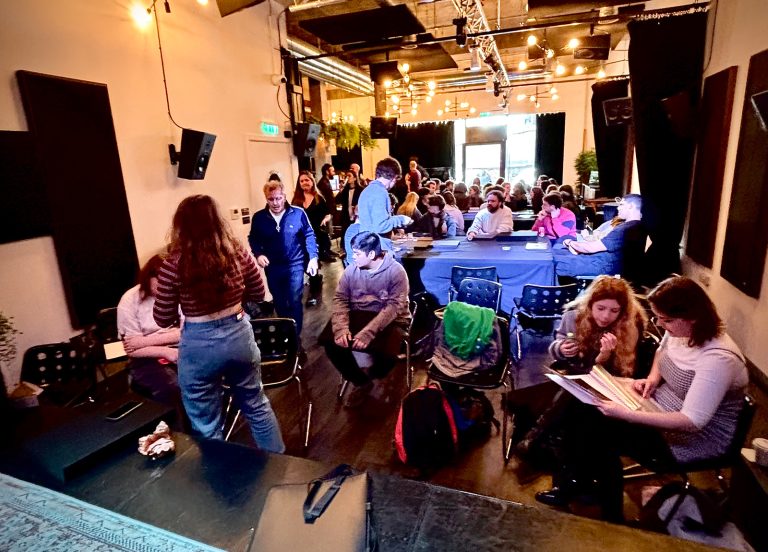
{"x":584,"y":282}
{"x":718,"y":464}
{"x":279,"y":347}
{"x":486,"y":380}
{"x":538,"y":309}
{"x":480,"y":292}
{"x":65,"y":373}
{"x":458,"y":273}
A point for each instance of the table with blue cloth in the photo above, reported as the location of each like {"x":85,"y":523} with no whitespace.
{"x":516,"y":266}
{"x":523,"y":220}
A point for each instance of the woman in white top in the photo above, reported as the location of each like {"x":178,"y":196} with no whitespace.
{"x":698,"y":379}
{"x":152,"y":350}
{"x":453,"y":211}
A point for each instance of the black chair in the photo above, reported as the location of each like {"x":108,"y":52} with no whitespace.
{"x":717,"y":464}
{"x":279,"y":347}
{"x":479,"y":292}
{"x":538,"y":309}
{"x":65,"y":373}
{"x":458,"y":273}
{"x":486,"y":380}
{"x":584,"y":282}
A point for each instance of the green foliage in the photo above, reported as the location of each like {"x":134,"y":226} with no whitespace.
{"x":8,"y":334}
{"x":348,"y":135}
{"x":585,"y":162}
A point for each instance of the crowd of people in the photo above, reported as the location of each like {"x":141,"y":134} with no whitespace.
{"x":187,"y":334}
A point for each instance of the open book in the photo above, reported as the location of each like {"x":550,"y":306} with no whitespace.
{"x":599,"y":385}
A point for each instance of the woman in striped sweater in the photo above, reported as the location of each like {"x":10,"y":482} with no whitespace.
{"x":210,"y":274}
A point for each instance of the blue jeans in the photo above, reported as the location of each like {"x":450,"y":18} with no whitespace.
{"x":224,"y":351}
{"x":286,"y":283}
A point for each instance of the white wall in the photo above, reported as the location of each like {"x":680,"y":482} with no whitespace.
{"x":739,"y":34}
{"x":219,"y":79}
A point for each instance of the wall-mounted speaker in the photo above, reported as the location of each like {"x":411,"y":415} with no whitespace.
{"x":593,"y":47}
{"x":383,"y":127}
{"x":305,"y":139}
{"x":760,"y":105}
{"x":196,"y":149}
{"x":618,"y":111}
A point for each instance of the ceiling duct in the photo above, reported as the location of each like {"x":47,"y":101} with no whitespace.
{"x":330,"y":70}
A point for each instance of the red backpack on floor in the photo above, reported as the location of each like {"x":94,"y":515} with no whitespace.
{"x":425,"y":434}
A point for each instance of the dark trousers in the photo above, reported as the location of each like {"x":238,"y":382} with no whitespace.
{"x":286,"y":283}
{"x":158,"y":382}
{"x":384,"y":349}
{"x":593,"y":445}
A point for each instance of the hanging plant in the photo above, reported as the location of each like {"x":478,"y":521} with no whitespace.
{"x":347,"y":135}
{"x":8,"y":334}
{"x":366,"y":142}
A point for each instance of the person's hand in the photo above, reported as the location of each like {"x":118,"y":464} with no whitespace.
{"x":444,"y":228}
{"x":312,"y":266}
{"x":405,"y":220}
{"x":645,"y":387}
{"x":171,"y":354}
{"x":343,"y":340}
{"x":132,"y":343}
{"x":361,"y":342}
{"x":470,"y":236}
{"x":262,"y":261}
{"x":608,"y":343}
{"x":541,"y":214}
{"x":569,"y":348}
{"x":613,"y":409}
{"x":325,"y":220}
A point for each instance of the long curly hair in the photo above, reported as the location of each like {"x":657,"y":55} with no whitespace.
{"x":208,"y":251}
{"x":627,"y":328}
{"x":298,"y":193}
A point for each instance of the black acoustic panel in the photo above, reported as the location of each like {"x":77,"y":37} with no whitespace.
{"x":430,"y":57}
{"x":618,"y":111}
{"x":746,"y":236}
{"x":364,"y":26}
{"x":593,"y":47}
{"x":711,"y":149}
{"x":383,"y":127}
{"x":24,"y":208}
{"x":71,"y":123}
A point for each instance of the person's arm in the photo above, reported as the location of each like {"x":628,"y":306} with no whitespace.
{"x":376,"y":203}
{"x":451,"y":226}
{"x":565,"y":347}
{"x":671,"y":421}
{"x":340,"y":312}
{"x":166,"y":309}
{"x":397,"y":300}
{"x":254,"y":286}
{"x":310,"y":243}
{"x":476,"y":228}
{"x":595,"y":246}
{"x":254,"y":239}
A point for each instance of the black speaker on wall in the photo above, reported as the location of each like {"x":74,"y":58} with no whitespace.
{"x":383,"y":127}
{"x":618,"y":111}
{"x":593,"y":47}
{"x":196,"y":149}
{"x":305,"y":139}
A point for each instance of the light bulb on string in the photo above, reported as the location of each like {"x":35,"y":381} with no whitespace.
{"x":521,"y":97}
{"x":559,"y":69}
{"x":574,"y":43}
{"x":522,"y":66}
{"x":579,"y":70}
{"x":532,"y":40}
{"x":601,"y":73}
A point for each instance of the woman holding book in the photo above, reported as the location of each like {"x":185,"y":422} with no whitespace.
{"x":698,"y":380}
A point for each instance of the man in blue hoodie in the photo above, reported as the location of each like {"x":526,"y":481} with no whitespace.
{"x":284,"y":245}
{"x":370,"y":316}
{"x":374,"y":209}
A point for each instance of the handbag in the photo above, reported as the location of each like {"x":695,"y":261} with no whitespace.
{"x":330,"y":513}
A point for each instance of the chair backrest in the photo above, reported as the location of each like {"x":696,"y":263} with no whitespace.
{"x":458,"y":273}
{"x":743,"y":425}
{"x":584,"y":282}
{"x":279,"y":348}
{"x":547,"y":300}
{"x":479,"y":292}
{"x":55,"y":363}
{"x":106,"y":325}
{"x":646,"y":351}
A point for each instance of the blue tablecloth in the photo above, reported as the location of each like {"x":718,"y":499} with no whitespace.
{"x":516,"y":266}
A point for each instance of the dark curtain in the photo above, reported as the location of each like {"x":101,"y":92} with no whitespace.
{"x":432,"y":143}
{"x":665,"y":65}
{"x":550,"y":139}
{"x":345,"y":157}
{"x":611,"y":142}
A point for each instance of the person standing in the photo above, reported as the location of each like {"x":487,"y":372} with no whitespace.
{"x":283,"y":242}
{"x":325,"y":188}
{"x":348,"y":198}
{"x":209,"y":274}
{"x":374,"y":208}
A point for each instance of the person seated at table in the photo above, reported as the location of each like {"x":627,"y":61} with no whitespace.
{"x":152,"y":351}
{"x":432,"y":185}
{"x":604,"y":254}
{"x":550,"y":189}
{"x":409,"y":206}
{"x":517,"y":199}
{"x":436,"y":223}
{"x":423,"y":205}
{"x":474,"y":199}
{"x":374,"y":209}
{"x":453,"y":211}
{"x":698,"y":379}
{"x":493,"y":219}
{"x":370,"y":316}
{"x":537,"y":197}
{"x":448,"y":186}
{"x":461,"y":193}
{"x":556,"y":223}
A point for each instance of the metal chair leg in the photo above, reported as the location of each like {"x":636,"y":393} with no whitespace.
{"x":408,"y":365}
{"x":342,"y":389}
{"x":506,"y":430}
{"x":233,"y":426}
{"x":309,"y":424}
{"x":304,"y":422}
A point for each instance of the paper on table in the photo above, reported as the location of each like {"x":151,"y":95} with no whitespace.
{"x":114,"y":350}
{"x":537,"y":245}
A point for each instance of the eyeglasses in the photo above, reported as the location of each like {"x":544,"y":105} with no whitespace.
{"x":663,"y":319}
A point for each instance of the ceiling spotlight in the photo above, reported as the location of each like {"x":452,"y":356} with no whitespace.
{"x":532,"y":40}
{"x":521,"y":97}
{"x":141,"y":17}
{"x":522,"y":66}
{"x":395,"y":108}
{"x":538,"y":105}
{"x":461,"y":31}
{"x":601,"y":73}
{"x":573,"y":43}
{"x":560,"y":69}
{"x":496,"y":88}
{"x":579,"y":70}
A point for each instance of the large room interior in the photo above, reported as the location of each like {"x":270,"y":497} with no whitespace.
{"x":91,"y":201}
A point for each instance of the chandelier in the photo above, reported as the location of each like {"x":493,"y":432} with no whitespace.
{"x":407,"y":93}
{"x":455,"y":108}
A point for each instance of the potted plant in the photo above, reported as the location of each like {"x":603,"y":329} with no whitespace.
{"x":585,"y":163}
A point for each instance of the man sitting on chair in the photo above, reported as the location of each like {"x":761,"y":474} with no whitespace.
{"x":494,"y":219}
{"x":370,"y":316}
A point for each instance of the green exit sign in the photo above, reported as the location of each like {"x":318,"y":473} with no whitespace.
{"x":269,"y":129}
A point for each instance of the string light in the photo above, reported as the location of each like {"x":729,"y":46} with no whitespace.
{"x":574,"y":43}
{"x":601,"y":73}
{"x":559,"y":69}
{"x":522,"y":66}
{"x":532,"y":40}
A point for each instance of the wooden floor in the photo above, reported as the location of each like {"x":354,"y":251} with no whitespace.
{"x":362,"y":437}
